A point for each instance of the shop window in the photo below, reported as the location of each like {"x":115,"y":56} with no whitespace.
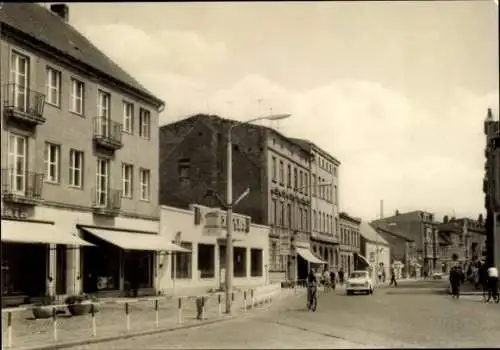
{"x":256,"y":262}
{"x":101,"y":268}
{"x":183,"y":262}
{"x":239,"y":262}
{"x":206,"y":260}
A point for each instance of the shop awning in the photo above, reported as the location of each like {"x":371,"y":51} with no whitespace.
{"x":135,"y":240}
{"x":362,"y":258}
{"x":306,"y":254}
{"x":18,"y":231}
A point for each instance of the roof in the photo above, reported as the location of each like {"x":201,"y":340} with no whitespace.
{"x":345,"y":216}
{"x":382,"y":225}
{"x":370,"y":234}
{"x":310,"y":145}
{"x":45,"y":27}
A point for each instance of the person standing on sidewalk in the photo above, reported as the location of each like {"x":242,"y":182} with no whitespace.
{"x":341,"y":276}
{"x":393,"y":278}
{"x":332,"y":278}
{"x":492,"y":280}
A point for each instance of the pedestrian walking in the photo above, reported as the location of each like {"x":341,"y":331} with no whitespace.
{"x":457,"y":278}
{"x":332,"y":278}
{"x":393,"y":278}
{"x":341,"y":276}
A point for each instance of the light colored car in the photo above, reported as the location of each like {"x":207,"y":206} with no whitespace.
{"x":359,"y":281}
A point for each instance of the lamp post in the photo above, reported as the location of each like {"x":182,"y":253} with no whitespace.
{"x":229,"y":204}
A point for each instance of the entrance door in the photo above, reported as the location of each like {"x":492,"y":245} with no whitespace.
{"x":19,"y":74}
{"x":17,"y":164}
{"x":102,"y":181}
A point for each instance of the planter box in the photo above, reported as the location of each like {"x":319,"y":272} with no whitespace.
{"x":79,"y":309}
{"x":42,"y":312}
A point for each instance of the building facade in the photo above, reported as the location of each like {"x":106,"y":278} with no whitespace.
{"x":376,"y":250}
{"x":461,"y":240}
{"x":74,"y":130}
{"x":402,"y":247}
{"x":276,"y":170}
{"x":350,"y":243}
{"x":422,"y":227}
{"x":324,"y":170}
{"x":491,"y":187}
{"x":201,"y":231}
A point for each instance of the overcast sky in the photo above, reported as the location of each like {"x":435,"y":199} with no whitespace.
{"x":396,"y":91}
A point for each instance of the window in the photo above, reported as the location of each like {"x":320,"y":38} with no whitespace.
{"x":77,"y":96}
{"x":336,"y":195}
{"x":17,"y":163}
{"x":127,"y":177}
{"x":102,"y":182}
{"x":301,"y":181}
{"x":144,"y":123}
{"x":335,"y":171}
{"x":283,"y":214}
{"x":315,"y":220}
{"x":313,"y":184}
{"x":103,"y":105}
{"x":282,"y":172}
{"x":184,"y":169}
{"x":19,"y":75}
{"x":139,"y":267}
{"x":53,"y":87}
{"x":128,"y":117}
{"x":289,"y":175}
{"x":273,"y":216}
{"x":144,"y":181}
{"x":289,"y":215}
{"x":306,"y":184}
{"x":273,"y":164}
{"x":183,"y":262}
{"x":240,"y":262}
{"x":300,"y":219}
{"x":295,"y":179}
{"x":256,"y":262}
{"x":52,"y":162}
{"x":206,"y":260}
{"x":279,"y":205}
{"x":75,"y":168}
{"x":306,"y":219}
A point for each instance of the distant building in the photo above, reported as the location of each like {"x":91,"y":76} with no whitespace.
{"x":403,"y":248}
{"x":491,"y":187}
{"x":422,"y":227}
{"x":324,"y":170}
{"x":350,"y":243}
{"x":375,"y":249}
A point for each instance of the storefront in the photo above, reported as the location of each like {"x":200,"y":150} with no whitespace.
{"x":123,"y":261}
{"x":306,"y":260}
{"x":202,"y":232}
{"x":27,"y":247}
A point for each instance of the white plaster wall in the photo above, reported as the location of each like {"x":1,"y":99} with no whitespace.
{"x":66,"y":221}
{"x":384,"y":256}
{"x":174,"y":220}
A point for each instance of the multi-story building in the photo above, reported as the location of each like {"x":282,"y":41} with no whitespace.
{"x":75,"y":128}
{"x":349,"y":241}
{"x":374,"y":250}
{"x":324,"y":170}
{"x":462,"y":240}
{"x":420,"y":226}
{"x":193,"y":168}
{"x":491,"y":188}
{"x":402,"y":248}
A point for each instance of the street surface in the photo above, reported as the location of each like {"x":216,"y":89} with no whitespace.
{"x":416,"y":314}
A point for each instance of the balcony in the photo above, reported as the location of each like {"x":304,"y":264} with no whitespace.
{"x":23,"y":104}
{"x":107,"y":202}
{"x":107,"y":134}
{"x":21,"y":187}
{"x":324,"y":237}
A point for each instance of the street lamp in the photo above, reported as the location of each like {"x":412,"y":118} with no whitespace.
{"x":229,"y":204}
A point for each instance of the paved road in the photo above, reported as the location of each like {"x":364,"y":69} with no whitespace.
{"x":413,"y":315}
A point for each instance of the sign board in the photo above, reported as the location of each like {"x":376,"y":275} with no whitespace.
{"x":213,"y":225}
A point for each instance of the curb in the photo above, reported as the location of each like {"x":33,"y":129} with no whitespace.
{"x":104,"y":339}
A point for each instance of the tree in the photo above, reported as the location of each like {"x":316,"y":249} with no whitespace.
{"x":480,"y":219}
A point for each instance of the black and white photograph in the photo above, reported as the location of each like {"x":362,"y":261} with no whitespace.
{"x":250,"y":174}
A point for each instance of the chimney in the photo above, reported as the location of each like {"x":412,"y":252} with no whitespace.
{"x":397,"y":212}
{"x":61,"y":10}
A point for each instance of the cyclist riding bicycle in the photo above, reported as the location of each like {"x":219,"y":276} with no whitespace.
{"x":492,"y":282}
{"x":312,"y":287}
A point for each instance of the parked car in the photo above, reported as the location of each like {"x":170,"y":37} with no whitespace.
{"x":359,"y":281}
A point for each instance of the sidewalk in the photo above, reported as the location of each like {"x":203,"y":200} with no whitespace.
{"x":111,"y":321}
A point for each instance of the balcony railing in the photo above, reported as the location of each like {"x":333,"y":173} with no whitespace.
{"x":23,"y":104}
{"x":106,"y":202}
{"x":22,"y":187}
{"x":107,"y":133}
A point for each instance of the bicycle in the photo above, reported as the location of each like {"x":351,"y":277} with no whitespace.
{"x":488,"y":294}
{"x":312,"y":297}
